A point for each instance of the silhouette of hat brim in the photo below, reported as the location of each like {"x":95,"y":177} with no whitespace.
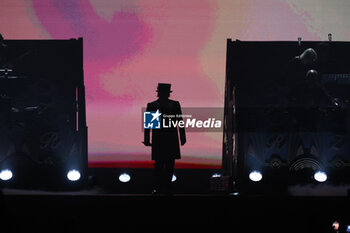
{"x":161,"y":90}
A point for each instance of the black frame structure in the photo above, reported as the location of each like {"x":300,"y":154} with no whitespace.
{"x":256,"y":80}
{"x":43,"y":112}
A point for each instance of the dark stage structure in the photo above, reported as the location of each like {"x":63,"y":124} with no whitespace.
{"x":42,"y":113}
{"x":286,"y":114}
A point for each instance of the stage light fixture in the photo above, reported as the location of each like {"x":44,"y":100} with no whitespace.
{"x":215,"y":175}
{"x":6,"y":174}
{"x":320,"y":176}
{"x":73,"y":175}
{"x":173,"y":179}
{"x":124,"y":177}
{"x":255,"y":176}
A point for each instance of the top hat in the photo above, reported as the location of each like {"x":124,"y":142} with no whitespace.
{"x":164,"y":87}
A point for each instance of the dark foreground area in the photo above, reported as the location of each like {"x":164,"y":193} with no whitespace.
{"x":72,"y":212}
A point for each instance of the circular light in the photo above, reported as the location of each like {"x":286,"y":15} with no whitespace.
{"x":73,"y":175}
{"x":336,"y":102}
{"x":320,"y":176}
{"x":255,"y":176}
{"x":125,"y":177}
{"x":215,"y":175}
{"x":173,"y":179}
{"x":6,"y":174}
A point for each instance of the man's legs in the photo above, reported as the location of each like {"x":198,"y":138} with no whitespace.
{"x":164,"y":170}
{"x":168,"y":174}
{"x":158,"y":174}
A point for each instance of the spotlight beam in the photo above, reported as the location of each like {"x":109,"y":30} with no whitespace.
{"x":124,"y":177}
{"x":6,"y":174}
{"x":73,"y":175}
{"x":320,"y":176}
{"x":255,"y":176}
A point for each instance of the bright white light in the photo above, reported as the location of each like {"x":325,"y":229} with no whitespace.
{"x":320,"y":176}
{"x":73,"y":175}
{"x":255,"y":176}
{"x":6,"y":174}
{"x":173,"y":179}
{"x":216,"y":175}
{"x":124,"y":177}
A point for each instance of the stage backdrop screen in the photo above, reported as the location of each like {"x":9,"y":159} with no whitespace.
{"x":132,"y":45}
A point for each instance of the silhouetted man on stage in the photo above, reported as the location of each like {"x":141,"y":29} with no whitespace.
{"x":165,"y":141}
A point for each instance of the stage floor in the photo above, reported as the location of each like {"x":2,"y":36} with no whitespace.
{"x":107,"y":205}
{"x":82,"y":212}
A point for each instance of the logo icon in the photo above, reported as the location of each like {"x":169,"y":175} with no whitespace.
{"x":151,"y":120}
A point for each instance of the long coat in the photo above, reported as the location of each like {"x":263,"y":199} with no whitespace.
{"x":165,"y":141}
